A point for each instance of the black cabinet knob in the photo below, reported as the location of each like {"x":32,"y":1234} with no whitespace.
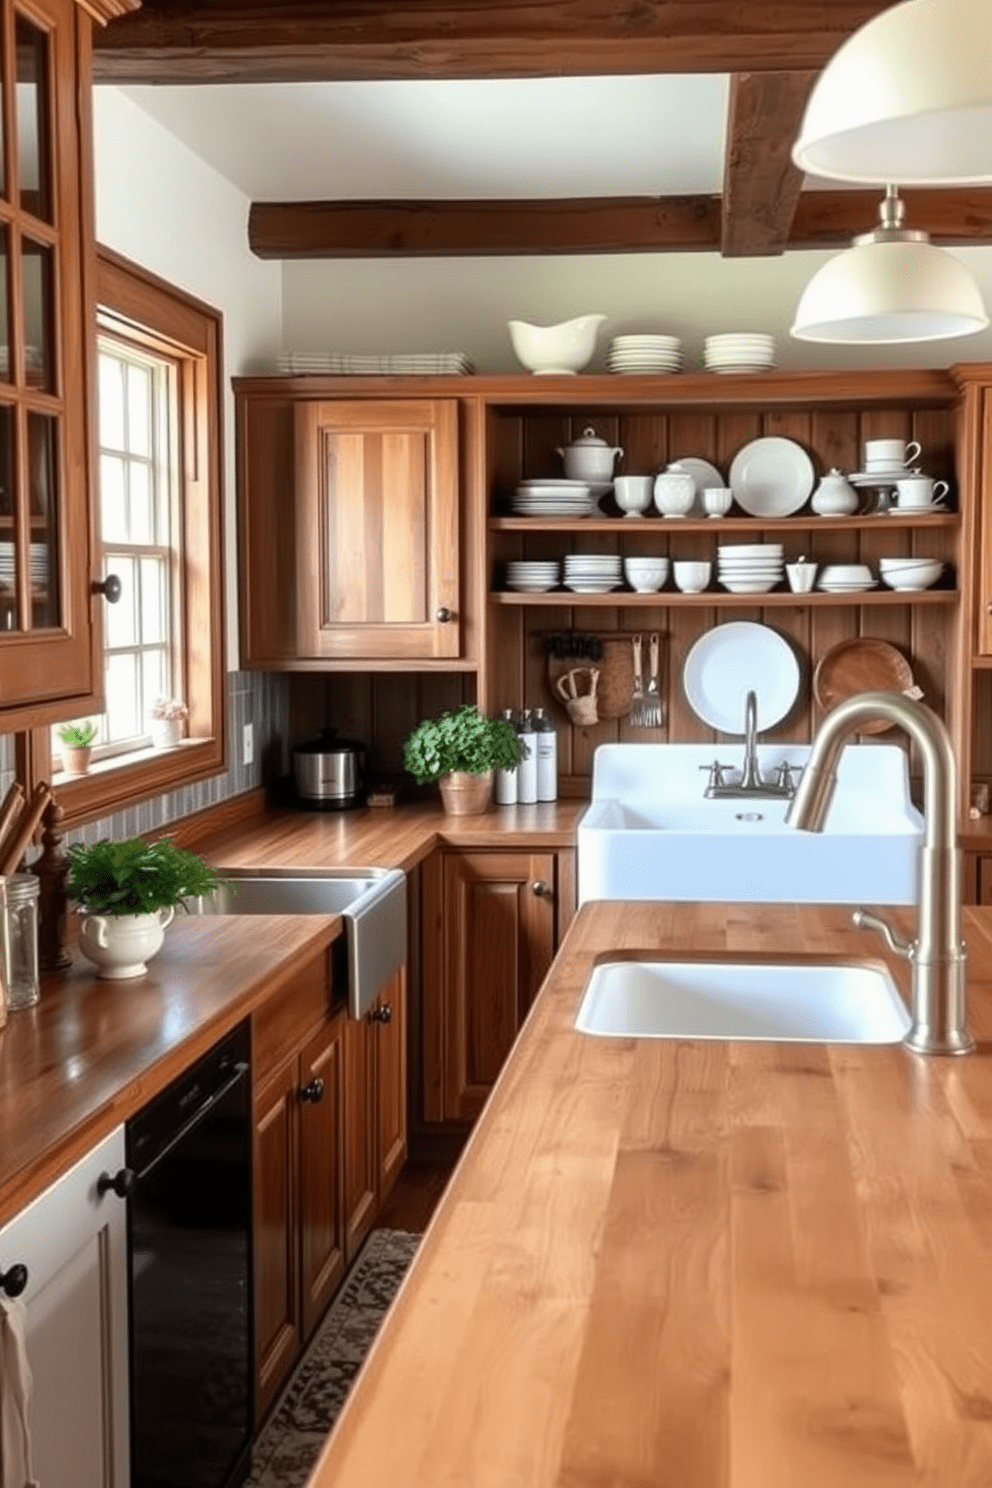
{"x":314,"y":1091}
{"x":14,"y":1280}
{"x":383,"y":1014}
{"x":122,"y":1183}
{"x":111,"y":588}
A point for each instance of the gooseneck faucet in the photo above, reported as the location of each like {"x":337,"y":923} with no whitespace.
{"x":937,"y":955}
{"x":751,"y":782}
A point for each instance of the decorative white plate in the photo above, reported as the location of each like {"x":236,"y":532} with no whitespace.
{"x":772,"y":477}
{"x":728,"y":662}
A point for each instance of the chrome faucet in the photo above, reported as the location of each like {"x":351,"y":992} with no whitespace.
{"x":937,"y":955}
{"x":751,"y":782}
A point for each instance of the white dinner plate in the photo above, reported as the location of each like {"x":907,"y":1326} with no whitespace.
{"x":772,"y":477}
{"x":728,"y":662}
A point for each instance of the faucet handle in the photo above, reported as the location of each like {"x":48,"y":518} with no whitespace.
{"x":785,"y":773}
{"x":865,"y":920}
{"x":716,"y":779}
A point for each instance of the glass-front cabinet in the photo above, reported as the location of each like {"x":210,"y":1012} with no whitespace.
{"x":47,"y":619}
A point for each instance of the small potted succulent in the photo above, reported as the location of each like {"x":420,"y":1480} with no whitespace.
{"x":460,"y":750}
{"x":128,"y":893}
{"x":165,"y":722}
{"x":77,"y":746}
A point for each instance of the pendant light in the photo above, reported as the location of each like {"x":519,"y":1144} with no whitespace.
{"x":892,"y":286}
{"x":907,"y":98}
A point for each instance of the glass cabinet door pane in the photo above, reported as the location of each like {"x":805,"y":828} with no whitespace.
{"x":8,"y":534}
{"x":6,"y":370}
{"x":34,"y":172}
{"x":44,"y":507}
{"x":38,"y":320}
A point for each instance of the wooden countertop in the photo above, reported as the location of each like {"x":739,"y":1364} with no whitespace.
{"x":703,"y":1264}
{"x":91,"y":1052}
{"x":387,"y":837}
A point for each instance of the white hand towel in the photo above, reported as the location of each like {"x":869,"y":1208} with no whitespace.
{"x":16,"y":1383}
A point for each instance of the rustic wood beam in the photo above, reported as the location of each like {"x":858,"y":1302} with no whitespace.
{"x":180,"y":41}
{"x":421,"y":229}
{"x":624,"y":224}
{"x":761,"y":186}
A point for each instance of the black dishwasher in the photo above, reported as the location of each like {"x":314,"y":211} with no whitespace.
{"x":189,"y":1251}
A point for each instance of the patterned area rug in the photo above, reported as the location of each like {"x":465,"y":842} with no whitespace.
{"x":286,"y":1450}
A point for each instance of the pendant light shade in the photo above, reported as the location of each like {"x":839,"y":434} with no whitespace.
{"x":892,"y":286}
{"x":907,"y":98}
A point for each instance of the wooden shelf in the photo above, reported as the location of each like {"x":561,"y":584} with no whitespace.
{"x":715,"y":526}
{"x":718,"y":599}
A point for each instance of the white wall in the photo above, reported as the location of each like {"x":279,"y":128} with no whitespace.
{"x":463,"y":304}
{"x":162,"y":207}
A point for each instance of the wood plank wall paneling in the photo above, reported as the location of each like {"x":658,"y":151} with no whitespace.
{"x":377,"y":708}
{"x":526,"y":444}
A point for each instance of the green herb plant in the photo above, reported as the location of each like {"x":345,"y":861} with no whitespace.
{"x":460,"y":740}
{"x":137,"y":877}
{"x":78,"y":736}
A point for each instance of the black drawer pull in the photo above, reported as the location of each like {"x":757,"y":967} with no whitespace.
{"x":14,"y":1280}
{"x":314,"y":1091}
{"x":382,"y":1014}
{"x":122,"y":1183}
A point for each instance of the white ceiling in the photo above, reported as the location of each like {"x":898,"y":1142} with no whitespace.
{"x":500,"y":138}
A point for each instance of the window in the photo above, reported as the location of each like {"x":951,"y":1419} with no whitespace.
{"x":158,"y":521}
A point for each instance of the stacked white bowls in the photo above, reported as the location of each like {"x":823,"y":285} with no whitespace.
{"x":632,"y":354}
{"x":750,"y":568}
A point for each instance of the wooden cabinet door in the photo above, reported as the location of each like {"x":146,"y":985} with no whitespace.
{"x":377,"y":529}
{"x":73,"y":1242}
{"x":498,"y":910}
{"x":985,"y":880}
{"x":390,"y":1082}
{"x":359,"y":1133}
{"x":321,"y":1211}
{"x":278,"y":1322}
{"x":49,"y":627}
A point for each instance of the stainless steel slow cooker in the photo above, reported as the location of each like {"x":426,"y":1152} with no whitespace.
{"x":329,"y":771}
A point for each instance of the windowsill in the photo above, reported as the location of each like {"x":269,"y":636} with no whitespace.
{"x":113,"y":785}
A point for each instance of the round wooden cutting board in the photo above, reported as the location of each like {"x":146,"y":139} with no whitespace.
{"x":863,"y":665}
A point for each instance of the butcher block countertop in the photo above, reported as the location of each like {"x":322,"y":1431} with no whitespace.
{"x":91,"y":1052}
{"x":700,"y":1264}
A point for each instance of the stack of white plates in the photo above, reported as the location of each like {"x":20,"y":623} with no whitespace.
{"x":555,"y":498}
{"x":846,"y":578}
{"x":533,"y":575}
{"x":342,"y":363}
{"x":37,"y":564}
{"x":593,"y":573}
{"x":739,"y":353}
{"x":750,"y":568}
{"x":644,"y":354}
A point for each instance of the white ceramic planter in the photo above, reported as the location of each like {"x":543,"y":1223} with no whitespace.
{"x":165,"y":732}
{"x":120,"y":945}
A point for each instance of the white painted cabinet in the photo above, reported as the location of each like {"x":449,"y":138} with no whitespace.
{"x":73,"y":1241}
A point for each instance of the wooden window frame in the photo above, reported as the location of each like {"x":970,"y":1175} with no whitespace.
{"x":137,"y":301}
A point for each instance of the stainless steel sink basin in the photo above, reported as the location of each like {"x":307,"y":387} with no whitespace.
{"x":372,"y":902}
{"x":806,"y":1001}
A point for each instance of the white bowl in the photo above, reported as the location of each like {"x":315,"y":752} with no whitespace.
{"x":646,"y":575}
{"x":910,"y":575}
{"x":556,"y":349}
{"x":846,"y":573}
{"x":692,"y":576}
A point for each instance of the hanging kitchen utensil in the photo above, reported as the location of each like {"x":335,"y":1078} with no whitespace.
{"x":577,"y":690}
{"x":616,"y":672}
{"x":653,"y":712}
{"x":637,"y":713}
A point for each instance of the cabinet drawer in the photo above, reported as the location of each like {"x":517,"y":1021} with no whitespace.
{"x":279,"y":1026}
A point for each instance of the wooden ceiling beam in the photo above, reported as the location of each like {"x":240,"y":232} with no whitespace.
{"x":674,"y":224}
{"x":761,"y":186}
{"x":181,"y":41}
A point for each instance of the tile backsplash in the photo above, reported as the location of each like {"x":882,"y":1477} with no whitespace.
{"x":258,"y":698}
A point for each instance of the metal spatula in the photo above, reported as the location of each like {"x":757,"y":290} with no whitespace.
{"x":636,"y":715}
{"x":652,"y":714}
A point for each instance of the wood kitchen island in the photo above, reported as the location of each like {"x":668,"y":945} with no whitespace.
{"x":703,"y":1264}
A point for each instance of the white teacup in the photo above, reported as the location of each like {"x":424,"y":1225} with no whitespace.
{"x":920,"y":491}
{"x":717,"y":500}
{"x":891,"y":454}
{"x":801,"y":576}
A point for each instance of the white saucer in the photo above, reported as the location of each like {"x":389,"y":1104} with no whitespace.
{"x":917,"y":511}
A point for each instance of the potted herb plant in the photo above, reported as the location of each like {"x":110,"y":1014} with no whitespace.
{"x":77,"y":746}
{"x":128,"y":892}
{"x":460,"y":750}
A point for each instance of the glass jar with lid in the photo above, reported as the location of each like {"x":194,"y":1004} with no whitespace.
{"x":19,"y":938}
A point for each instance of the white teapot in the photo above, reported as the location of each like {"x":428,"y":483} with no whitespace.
{"x":834,"y":496}
{"x":590,"y":458}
